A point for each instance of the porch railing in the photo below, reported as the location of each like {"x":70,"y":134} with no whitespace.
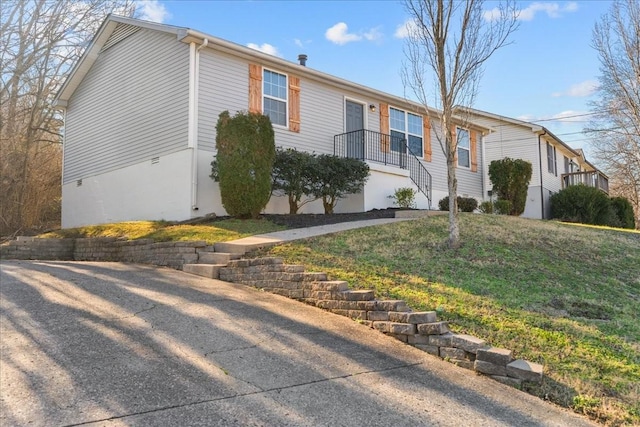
{"x":591,"y":179}
{"x":385,"y":149}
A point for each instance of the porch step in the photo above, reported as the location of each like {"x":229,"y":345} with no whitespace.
{"x":212,"y":271}
{"x":216,"y":257}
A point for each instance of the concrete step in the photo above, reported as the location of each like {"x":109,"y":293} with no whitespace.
{"x":212,"y":271}
{"x":216,"y":257}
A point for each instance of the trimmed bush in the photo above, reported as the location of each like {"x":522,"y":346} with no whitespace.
{"x":510,"y":179}
{"x":502,"y":207}
{"x":335,"y":177}
{"x":404,"y":197}
{"x":624,"y":212}
{"x":293,"y":174}
{"x":465,"y":204}
{"x":486,"y":207}
{"x":583,"y":204}
{"x":245,"y":153}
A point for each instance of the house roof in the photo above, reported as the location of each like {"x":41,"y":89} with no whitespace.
{"x":188,"y":35}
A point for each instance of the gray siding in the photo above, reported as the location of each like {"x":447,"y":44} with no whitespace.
{"x":224,"y":85}
{"x":132,"y":106}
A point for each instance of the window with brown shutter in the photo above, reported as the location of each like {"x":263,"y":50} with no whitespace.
{"x":426,"y":124}
{"x":474,"y":151}
{"x":384,"y":127}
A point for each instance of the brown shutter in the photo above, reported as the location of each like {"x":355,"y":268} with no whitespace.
{"x":294,"y":103}
{"x":384,"y":127}
{"x":255,"y":88}
{"x":426,"y":137}
{"x":473,"y":147}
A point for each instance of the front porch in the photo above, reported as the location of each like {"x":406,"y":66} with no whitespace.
{"x":591,"y":179}
{"x":387,"y":150}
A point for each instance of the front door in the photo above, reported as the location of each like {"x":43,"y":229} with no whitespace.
{"x":355,"y":129}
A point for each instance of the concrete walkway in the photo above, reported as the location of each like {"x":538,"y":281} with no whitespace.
{"x":111,"y":344}
{"x":269,"y":239}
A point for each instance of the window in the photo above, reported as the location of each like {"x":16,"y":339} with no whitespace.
{"x":408,"y":127}
{"x":551,"y":159}
{"x":567,"y":165}
{"x":275,"y":97}
{"x":464,"y":147}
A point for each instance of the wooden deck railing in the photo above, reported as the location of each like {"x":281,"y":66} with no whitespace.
{"x":591,"y":179}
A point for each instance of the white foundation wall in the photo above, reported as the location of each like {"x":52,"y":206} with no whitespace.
{"x":152,"y":190}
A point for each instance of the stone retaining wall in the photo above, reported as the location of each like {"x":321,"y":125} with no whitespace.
{"x":392,"y":317}
{"x":143,"y":251}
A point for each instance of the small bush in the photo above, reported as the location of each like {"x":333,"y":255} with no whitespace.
{"x":465,"y":204}
{"x":510,"y":179}
{"x":293,"y":173}
{"x":624,"y":212}
{"x":404,"y":197}
{"x":586,"y":205}
{"x":486,"y":207}
{"x":335,"y":177}
{"x":502,"y":207}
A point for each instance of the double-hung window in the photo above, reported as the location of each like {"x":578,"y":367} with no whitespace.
{"x":275,"y":97}
{"x":464,"y":147}
{"x":408,"y":127}
{"x":551,"y":159}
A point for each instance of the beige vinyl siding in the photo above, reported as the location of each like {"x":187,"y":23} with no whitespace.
{"x":130,"y":107}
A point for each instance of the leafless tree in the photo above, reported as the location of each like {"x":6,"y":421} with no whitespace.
{"x":447,"y":44}
{"x":615,"y":129}
{"x":40,"y":40}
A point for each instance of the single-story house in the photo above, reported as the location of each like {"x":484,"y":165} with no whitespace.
{"x":141,"y":106}
{"x":555,"y":165}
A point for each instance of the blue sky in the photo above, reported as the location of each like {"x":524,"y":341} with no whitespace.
{"x":548,"y":72}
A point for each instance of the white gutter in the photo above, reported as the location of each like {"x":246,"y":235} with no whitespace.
{"x":485,"y":169}
{"x":194,"y":92}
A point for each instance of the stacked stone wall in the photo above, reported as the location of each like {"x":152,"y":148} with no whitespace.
{"x":395,"y":318}
{"x":143,"y":251}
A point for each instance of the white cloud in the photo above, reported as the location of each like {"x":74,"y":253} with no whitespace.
{"x":152,"y":10}
{"x":570,"y":116}
{"x":339,"y":34}
{"x":298,"y":43}
{"x":553,"y":10}
{"x":373,"y":34}
{"x":526,"y":117}
{"x":265,"y":48}
{"x":491,"y":15}
{"x":405,"y":29}
{"x":581,"y":89}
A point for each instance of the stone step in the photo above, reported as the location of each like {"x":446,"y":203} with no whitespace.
{"x":211,"y":271}
{"x":356,"y":295}
{"x":216,"y":257}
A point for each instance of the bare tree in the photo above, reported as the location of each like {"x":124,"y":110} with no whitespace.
{"x":39,"y":42}
{"x":615,"y":129}
{"x":447,"y":44}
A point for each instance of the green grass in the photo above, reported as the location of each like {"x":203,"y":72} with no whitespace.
{"x":162,"y":231}
{"x":567,"y":297}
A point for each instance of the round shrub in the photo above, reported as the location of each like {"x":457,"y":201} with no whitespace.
{"x":502,"y":207}
{"x":465,"y":204}
{"x":486,"y":207}
{"x":510,"y":179}
{"x":624,"y":212}
{"x":582,"y":204}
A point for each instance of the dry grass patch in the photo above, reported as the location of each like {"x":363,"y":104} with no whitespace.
{"x":566,"y":297}
{"x":162,"y":231}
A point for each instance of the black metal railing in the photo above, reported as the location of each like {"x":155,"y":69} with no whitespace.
{"x":590,"y":178}
{"x":385,"y":149}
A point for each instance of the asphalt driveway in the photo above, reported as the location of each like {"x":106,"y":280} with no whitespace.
{"x":118,"y":344}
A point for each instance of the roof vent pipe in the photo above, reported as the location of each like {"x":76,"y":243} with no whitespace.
{"x":303,"y":59}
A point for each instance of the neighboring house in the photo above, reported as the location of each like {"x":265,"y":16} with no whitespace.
{"x":142,"y":104}
{"x":555,"y":165}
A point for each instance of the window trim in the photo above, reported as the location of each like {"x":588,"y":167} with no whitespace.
{"x":286,"y":100}
{"x":406,"y":131}
{"x":458,"y":147}
{"x":552,"y":159}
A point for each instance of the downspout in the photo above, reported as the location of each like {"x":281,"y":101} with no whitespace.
{"x":540,"y":169}
{"x":194,"y":91}
{"x":484,"y":168}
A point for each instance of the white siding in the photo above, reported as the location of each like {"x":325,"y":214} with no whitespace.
{"x":145,"y":191}
{"x":131,"y":106}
